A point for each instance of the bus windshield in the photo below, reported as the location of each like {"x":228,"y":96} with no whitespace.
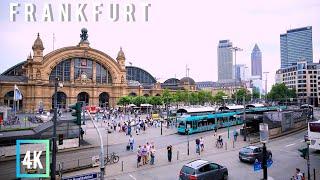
{"x":314,"y":127}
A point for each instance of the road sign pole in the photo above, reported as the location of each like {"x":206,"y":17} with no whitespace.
{"x":308,"y":162}
{"x":264,"y":162}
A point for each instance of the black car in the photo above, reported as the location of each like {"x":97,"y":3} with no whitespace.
{"x":252,"y":153}
{"x":203,"y":170}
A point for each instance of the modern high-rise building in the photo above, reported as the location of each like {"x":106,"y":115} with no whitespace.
{"x":225,"y":61}
{"x":241,"y":72}
{"x":296,"y":45}
{"x":256,"y":62}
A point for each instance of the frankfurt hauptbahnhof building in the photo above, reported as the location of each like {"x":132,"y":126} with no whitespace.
{"x":87,"y":75}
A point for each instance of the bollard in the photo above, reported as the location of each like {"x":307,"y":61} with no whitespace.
{"x":122,"y":166}
{"x":177,"y":155}
{"x":233,"y":144}
{"x":226,"y":146}
{"x":314,"y":173}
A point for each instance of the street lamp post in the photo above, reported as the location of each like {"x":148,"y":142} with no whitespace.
{"x":188,"y":150}
{"x":235,"y":49}
{"x":54,"y":136}
{"x":266,"y":84}
{"x":264,"y":162}
{"x":244,"y":120}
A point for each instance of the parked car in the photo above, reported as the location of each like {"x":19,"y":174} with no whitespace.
{"x":252,"y":153}
{"x":203,"y":170}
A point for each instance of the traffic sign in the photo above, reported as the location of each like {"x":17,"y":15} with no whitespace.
{"x":264,"y":132}
{"x":90,"y":176}
{"x":257,"y":166}
{"x":269,"y":162}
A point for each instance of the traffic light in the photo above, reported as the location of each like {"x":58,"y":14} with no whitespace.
{"x":76,"y":111}
{"x":60,"y":139}
{"x":304,"y":152}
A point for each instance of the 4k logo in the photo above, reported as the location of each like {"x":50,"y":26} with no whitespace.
{"x":36,"y":160}
{"x":31,"y":165}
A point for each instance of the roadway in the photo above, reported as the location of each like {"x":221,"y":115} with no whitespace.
{"x":286,"y":159}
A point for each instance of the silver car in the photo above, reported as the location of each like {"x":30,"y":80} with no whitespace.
{"x":203,"y":170}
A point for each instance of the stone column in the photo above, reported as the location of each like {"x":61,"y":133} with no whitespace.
{"x":72,"y":71}
{"x":94,"y":72}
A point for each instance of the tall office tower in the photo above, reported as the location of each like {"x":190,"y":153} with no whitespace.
{"x":296,"y":45}
{"x":256,"y":62}
{"x":241,"y":73}
{"x":225,"y":61}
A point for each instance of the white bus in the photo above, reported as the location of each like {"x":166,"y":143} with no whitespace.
{"x":314,"y":134}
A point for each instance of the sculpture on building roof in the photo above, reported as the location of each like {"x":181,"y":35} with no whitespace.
{"x":84,"y":35}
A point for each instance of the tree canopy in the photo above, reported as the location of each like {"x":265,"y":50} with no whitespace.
{"x":281,"y":91}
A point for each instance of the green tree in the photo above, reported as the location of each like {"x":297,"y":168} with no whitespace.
{"x":255,"y":93}
{"x":138,"y":100}
{"x":124,"y":100}
{"x":155,"y":100}
{"x":218,"y":98}
{"x":194,"y":99}
{"x":281,"y":92}
{"x":242,"y":93}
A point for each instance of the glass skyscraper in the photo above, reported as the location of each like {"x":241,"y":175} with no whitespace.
{"x":256,"y":62}
{"x":225,"y":61}
{"x":296,"y":45}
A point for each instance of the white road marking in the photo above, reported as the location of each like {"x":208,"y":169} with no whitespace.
{"x":132,"y":177}
{"x":290,"y":144}
{"x":302,"y":141}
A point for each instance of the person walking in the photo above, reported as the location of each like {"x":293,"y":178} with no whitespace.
{"x":144,"y":154}
{"x":131,"y":142}
{"x":152,"y":155}
{"x":197,"y":145}
{"x":215,"y":130}
{"x":139,"y":154}
{"x":169,"y":149}
{"x":298,"y":175}
{"x":235,"y":135}
{"x":202,"y":144}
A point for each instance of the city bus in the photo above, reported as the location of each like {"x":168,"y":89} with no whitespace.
{"x":314,"y":134}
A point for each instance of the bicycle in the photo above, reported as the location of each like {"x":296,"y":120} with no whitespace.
{"x":219,"y":143}
{"x":113,"y":158}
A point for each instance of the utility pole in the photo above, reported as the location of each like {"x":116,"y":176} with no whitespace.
{"x":266,"y":85}
{"x":264,"y":162}
{"x":235,"y":49}
{"x":244,"y":120}
{"x":54,"y":136}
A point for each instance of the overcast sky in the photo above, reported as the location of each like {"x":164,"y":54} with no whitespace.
{"x":179,"y":32}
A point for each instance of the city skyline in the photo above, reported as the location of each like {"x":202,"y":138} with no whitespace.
{"x":160,"y":46}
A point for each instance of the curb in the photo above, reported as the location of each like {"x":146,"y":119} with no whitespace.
{"x":10,"y":158}
{"x":295,"y":131}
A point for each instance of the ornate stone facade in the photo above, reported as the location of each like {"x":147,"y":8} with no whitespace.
{"x":87,"y":74}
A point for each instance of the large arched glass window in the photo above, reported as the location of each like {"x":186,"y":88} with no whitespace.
{"x":62,"y":71}
{"x":83,"y":66}
{"x":103,"y":76}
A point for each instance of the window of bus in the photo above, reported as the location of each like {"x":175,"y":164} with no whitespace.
{"x":181,"y":124}
{"x":314,"y":127}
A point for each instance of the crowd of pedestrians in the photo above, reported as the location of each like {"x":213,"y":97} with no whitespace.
{"x":146,"y":154}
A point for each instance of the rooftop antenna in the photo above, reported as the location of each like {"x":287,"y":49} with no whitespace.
{"x":53,"y":40}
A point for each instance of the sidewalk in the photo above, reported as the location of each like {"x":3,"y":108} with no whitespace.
{"x":117,"y":137}
{"x":129,"y":162}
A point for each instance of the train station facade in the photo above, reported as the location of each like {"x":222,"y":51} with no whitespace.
{"x":87,"y":75}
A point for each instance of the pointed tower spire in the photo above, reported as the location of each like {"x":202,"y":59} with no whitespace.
{"x":38,"y":49}
{"x":121,"y":58}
